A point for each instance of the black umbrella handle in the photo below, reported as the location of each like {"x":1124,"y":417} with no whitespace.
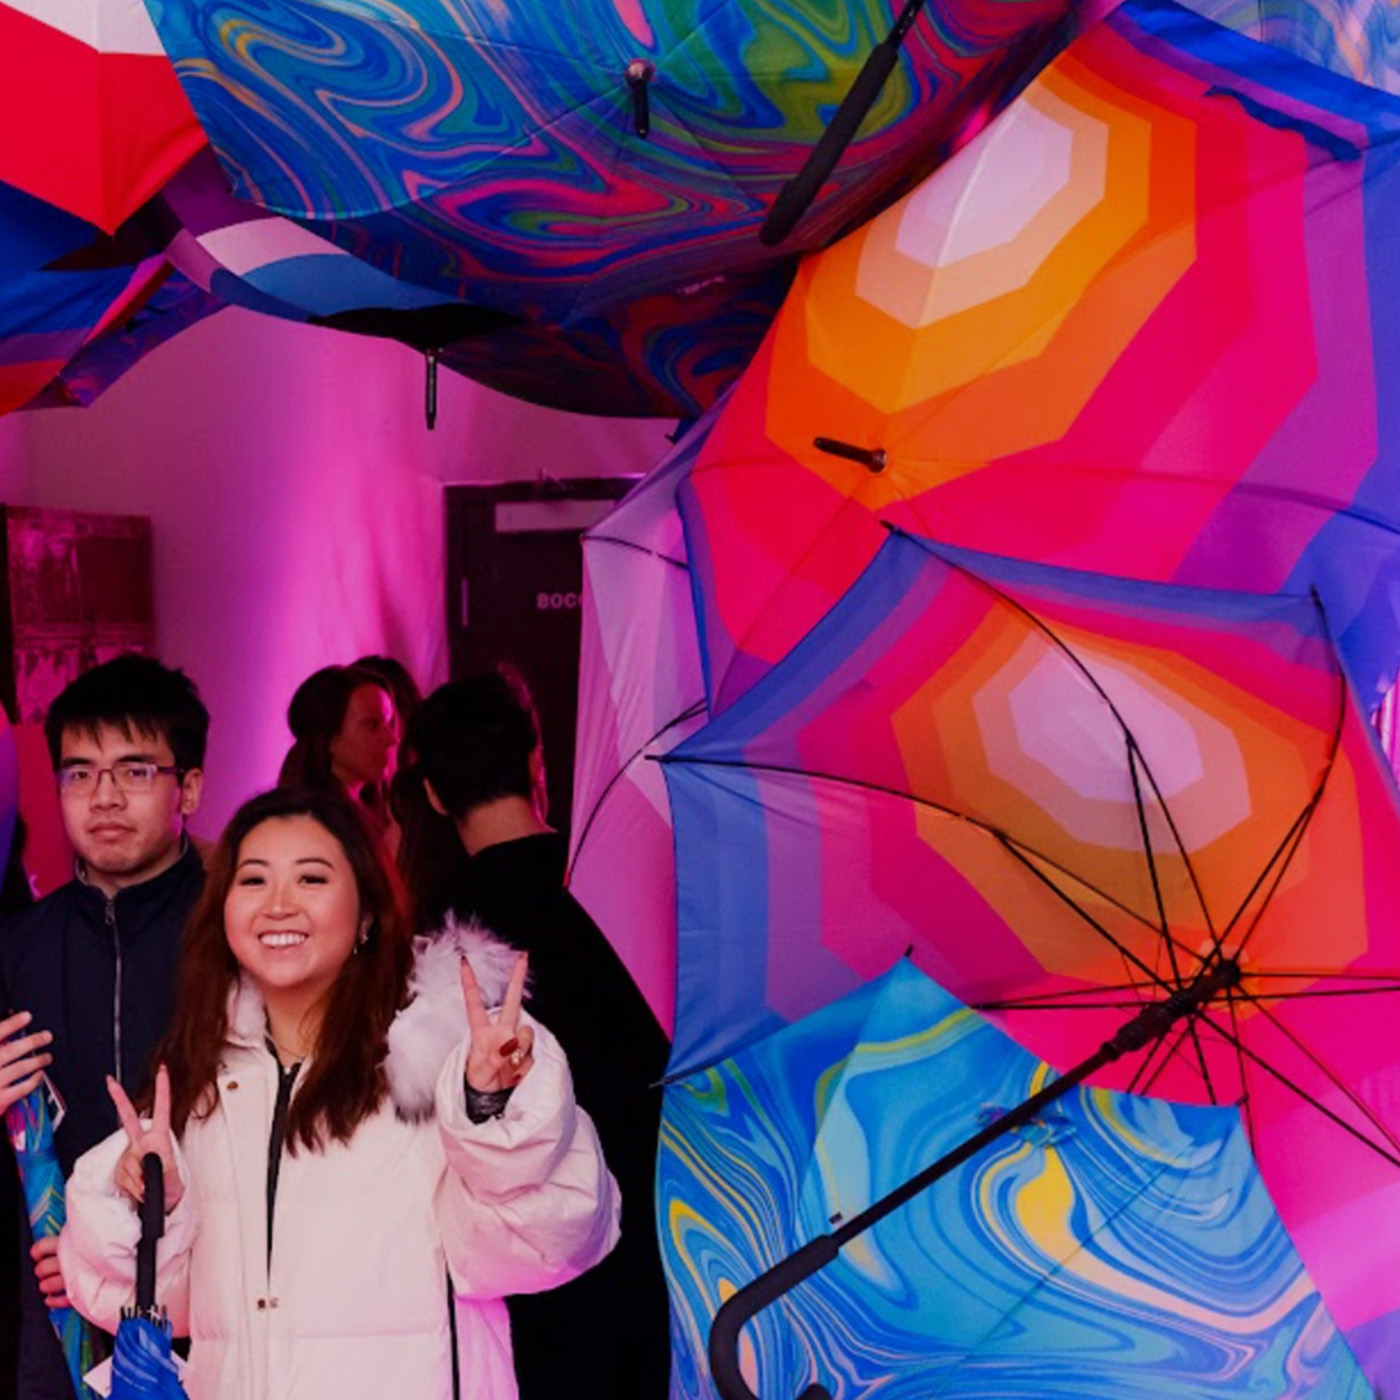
{"x":799,"y":192}
{"x":752,"y":1299}
{"x":152,"y":1228}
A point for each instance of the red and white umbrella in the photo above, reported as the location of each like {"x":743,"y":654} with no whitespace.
{"x":92,"y":117}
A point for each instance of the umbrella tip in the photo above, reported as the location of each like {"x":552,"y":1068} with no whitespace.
{"x":430,"y":390}
{"x":639,"y":74}
{"x":873,"y":458}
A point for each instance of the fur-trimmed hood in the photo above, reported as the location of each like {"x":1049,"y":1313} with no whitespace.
{"x":425,"y":1032}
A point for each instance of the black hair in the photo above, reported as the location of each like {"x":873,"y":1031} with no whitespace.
{"x":133,"y":694}
{"x":472,"y":740}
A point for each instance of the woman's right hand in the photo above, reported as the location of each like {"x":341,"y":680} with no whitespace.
{"x":144,"y":1138}
{"x":22,"y":1058}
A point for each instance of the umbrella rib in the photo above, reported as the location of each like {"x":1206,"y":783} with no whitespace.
{"x":1015,"y":848}
{"x":1252,"y":1057}
{"x":639,"y":548}
{"x":1079,"y":1001}
{"x":1133,"y":757}
{"x":1246,"y":1102}
{"x":810,"y":548}
{"x":1135,"y":1005}
{"x":1201,"y":1059}
{"x":1317,"y":1062}
{"x":1074,"y":660}
{"x":1145,"y":1063}
{"x":697,"y":708}
{"x":1293,"y":839}
{"x":1317,"y":975}
{"x":1141,"y":809}
{"x":1186,"y":1032}
{"x":1315,"y":993}
{"x":1067,"y":998}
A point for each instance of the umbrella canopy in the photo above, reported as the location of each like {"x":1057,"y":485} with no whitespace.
{"x":640,"y":693}
{"x":143,"y":1363}
{"x":172,"y":305}
{"x":1147,"y":324}
{"x":668,"y":355}
{"x":63,"y":283}
{"x":104,"y":122}
{"x":1118,"y":1246}
{"x":30,"y":1124}
{"x":1071,"y":795}
{"x":553,"y":159}
{"x":1357,"y":38}
{"x":657,"y":356}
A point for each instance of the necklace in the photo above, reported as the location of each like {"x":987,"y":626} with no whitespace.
{"x":284,"y":1052}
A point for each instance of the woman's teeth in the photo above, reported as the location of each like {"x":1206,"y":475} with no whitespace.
{"x":281,"y":940}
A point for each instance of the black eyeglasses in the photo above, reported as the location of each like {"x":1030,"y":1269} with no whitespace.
{"x":82,"y":779}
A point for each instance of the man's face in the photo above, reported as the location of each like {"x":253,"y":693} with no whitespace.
{"x":124,"y":836}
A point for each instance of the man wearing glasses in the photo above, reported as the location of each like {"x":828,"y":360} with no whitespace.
{"x":92,"y":966}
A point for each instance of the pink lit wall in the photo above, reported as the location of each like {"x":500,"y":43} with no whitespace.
{"x":296,"y":501}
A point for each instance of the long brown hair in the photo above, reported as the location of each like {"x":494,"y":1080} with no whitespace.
{"x":344,"y":1082}
{"x":315,"y":717}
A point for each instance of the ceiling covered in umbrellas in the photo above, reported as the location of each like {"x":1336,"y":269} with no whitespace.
{"x":566,"y":203}
{"x":563,"y":202}
{"x":1019,"y":595}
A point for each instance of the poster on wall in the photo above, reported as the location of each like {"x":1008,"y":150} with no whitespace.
{"x":80,"y":593}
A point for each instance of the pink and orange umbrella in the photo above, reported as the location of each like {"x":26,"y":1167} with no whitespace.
{"x":640,"y":694}
{"x":1147,"y":323}
{"x":1070,"y":796}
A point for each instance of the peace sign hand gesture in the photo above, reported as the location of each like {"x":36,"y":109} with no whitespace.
{"x":142,"y":1139}
{"x":501,"y":1050}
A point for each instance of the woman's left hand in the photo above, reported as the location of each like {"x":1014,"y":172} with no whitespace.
{"x":501,"y":1050}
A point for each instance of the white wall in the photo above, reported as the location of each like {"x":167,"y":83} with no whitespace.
{"x":296,"y":504}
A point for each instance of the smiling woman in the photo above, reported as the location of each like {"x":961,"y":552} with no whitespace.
{"x":395,"y":1117}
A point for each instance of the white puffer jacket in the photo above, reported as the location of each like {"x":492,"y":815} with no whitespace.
{"x":355,"y":1301}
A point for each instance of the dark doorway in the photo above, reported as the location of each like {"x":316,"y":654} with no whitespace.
{"x":514,"y":576}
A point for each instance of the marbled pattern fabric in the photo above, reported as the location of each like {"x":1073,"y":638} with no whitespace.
{"x":491,"y":151}
{"x":1119,"y":1248}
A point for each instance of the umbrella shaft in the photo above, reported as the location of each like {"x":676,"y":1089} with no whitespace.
{"x":1149,"y":1025}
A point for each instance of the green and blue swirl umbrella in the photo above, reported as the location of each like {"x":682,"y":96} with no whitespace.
{"x":1114,"y":1248}
{"x":558,"y":159}
{"x":30,"y":1124}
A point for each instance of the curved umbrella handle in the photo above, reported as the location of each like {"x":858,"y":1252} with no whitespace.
{"x":750,"y":1300}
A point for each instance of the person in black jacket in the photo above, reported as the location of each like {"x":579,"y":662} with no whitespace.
{"x":93,"y":964}
{"x":476,"y":747}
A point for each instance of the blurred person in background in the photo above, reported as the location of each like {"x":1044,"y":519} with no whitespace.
{"x":345,"y":736}
{"x":477,"y":749}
